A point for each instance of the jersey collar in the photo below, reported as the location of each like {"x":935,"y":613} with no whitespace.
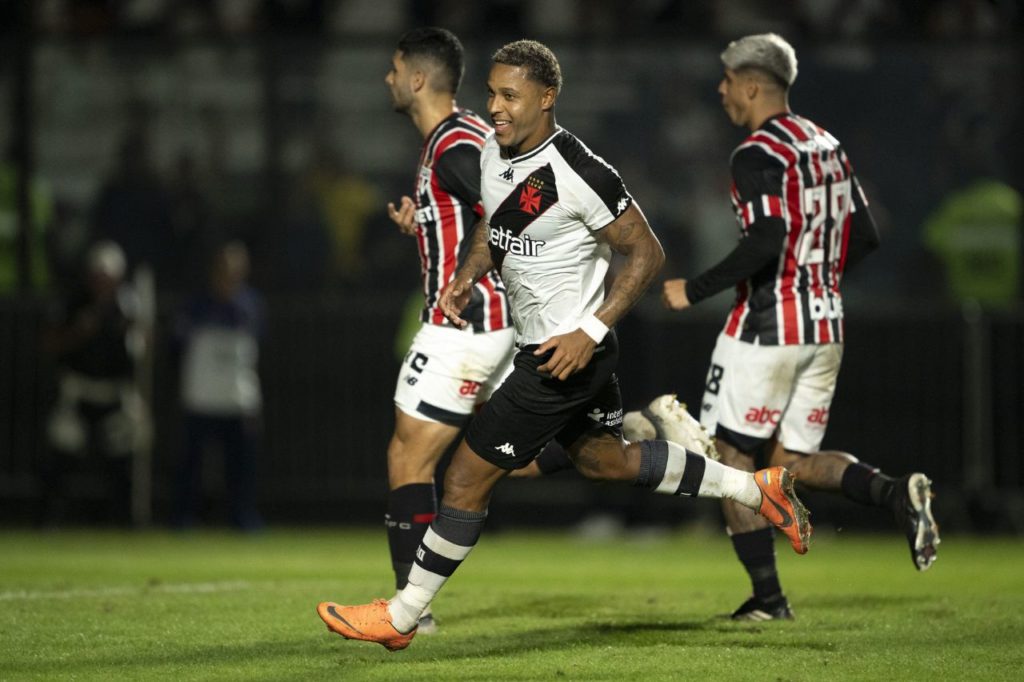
{"x":538,"y":149}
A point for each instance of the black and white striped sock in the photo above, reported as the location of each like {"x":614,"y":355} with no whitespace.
{"x":449,"y":540}
{"x":671,"y":469}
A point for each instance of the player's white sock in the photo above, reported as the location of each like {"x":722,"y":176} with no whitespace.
{"x":671,"y":469}
{"x":450,"y":538}
{"x":721,"y":480}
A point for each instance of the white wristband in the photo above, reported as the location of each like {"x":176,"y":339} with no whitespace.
{"x":594,"y":328}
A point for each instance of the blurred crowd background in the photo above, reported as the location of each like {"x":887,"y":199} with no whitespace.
{"x":163,"y":162}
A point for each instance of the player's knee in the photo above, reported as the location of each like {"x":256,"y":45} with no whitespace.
{"x":408,"y":464}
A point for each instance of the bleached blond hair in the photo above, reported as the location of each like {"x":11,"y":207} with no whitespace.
{"x":767,"y":52}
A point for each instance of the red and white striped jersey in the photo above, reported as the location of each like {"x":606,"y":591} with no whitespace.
{"x":794,"y":170}
{"x":448,"y":207}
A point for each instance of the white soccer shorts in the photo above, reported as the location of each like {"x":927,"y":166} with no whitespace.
{"x":448,"y":372}
{"x":757,"y":390}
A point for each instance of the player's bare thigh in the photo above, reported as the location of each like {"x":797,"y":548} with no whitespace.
{"x":415,"y":449}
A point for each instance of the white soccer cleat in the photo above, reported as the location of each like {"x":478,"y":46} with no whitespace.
{"x":671,"y":421}
{"x":635,"y":427}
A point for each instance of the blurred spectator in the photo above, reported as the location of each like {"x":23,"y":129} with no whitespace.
{"x":346,"y":201}
{"x":134,"y":210}
{"x":976,"y":232}
{"x":41,"y":211}
{"x":100,"y":421}
{"x":219,"y":335}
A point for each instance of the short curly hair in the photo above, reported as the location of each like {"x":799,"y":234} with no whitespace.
{"x":539,"y":61}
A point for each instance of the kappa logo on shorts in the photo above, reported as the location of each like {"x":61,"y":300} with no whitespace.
{"x":506,"y":449}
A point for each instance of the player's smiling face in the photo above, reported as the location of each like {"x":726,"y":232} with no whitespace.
{"x":397,"y":80}
{"x":521,"y":109}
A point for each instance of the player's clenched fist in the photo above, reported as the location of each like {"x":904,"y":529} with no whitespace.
{"x":454,"y":299}
{"x":673,"y":294}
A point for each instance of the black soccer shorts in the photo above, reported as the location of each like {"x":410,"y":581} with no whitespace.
{"x":529,"y":409}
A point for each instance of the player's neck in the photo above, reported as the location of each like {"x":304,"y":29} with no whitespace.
{"x":428,"y":113}
{"x":534,"y":140}
{"x":765,"y":112}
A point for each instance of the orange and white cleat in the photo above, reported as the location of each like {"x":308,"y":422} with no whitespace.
{"x":368,"y":622}
{"x":780,"y":505}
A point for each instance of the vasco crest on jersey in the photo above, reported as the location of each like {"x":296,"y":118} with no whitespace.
{"x":525,"y":203}
{"x":528,"y":200}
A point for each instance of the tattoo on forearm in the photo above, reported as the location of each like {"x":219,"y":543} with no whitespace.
{"x":478,"y":260}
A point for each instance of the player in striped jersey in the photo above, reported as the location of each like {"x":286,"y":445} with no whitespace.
{"x":555,"y":212}
{"x":804,"y":221}
{"x":447,"y":371}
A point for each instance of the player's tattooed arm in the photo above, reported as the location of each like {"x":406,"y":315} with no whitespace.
{"x":631,"y":236}
{"x":456,"y":294}
{"x":478,"y":258}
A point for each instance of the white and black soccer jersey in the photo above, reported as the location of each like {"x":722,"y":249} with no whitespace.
{"x":447,"y":208}
{"x":544,"y":210}
{"x":803,"y":220}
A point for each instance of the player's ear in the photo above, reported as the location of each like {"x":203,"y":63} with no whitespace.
{"x":547,"y":99}
{"x":418,"y":80}
{"x":751,"y":87}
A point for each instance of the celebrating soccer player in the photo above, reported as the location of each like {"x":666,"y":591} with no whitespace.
{"x":554,"y":213}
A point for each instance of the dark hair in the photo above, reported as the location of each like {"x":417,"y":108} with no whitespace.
{"x":539,"y":61}
{"x":440,"y":46}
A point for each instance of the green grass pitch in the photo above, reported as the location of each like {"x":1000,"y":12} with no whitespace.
{"x":89,"y":605}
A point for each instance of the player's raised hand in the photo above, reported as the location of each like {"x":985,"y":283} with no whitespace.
{"x":673,"y":294}
{"x":404,"y":215}
{"x":572,"y":352}
{"x":454,"y":299}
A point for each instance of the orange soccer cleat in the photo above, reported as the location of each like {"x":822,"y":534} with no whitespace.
{"x":368,"y":622}
{"x":780,"y":505}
